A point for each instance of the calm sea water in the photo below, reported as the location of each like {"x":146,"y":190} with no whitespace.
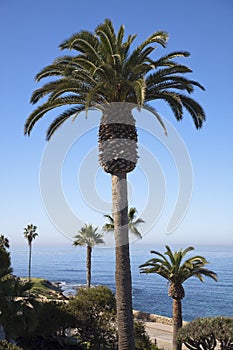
{"x":67,"y":264}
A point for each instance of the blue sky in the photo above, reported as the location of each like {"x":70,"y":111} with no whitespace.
{"x":30,"y":34}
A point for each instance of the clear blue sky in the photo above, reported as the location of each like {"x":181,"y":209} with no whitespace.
{"x":30,"y":34}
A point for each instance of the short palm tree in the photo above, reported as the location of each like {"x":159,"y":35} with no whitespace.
{"x":88,"y":237}
{"x":133,"y":222}
{"x":176,"y":271}
{"x":30,"y":234}
{"x":104,"y":75}
{"x":4,"y":242}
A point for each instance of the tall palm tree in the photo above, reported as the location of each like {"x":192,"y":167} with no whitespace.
{"x":4,"y":242}
{"x":103,"y":74}
{"x":176,"y":271}
{"x":132,"y":223}
{"x":30,"y":234}
{"x":89,"y":237}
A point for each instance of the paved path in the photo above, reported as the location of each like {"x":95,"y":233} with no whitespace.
{"x":161,"y":332}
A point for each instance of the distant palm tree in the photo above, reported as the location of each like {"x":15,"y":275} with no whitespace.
{"x":177,"y":272}
{"x":4,"y":242}
{"x":89,"y":237}
{"x":132,"y":223}
{"x":30,"y":234}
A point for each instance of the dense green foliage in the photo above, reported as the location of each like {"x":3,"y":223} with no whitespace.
{"x":94,"y":310}
{"x":39,"y":325}
{"x":203,"y":333}
{"x":104,"y":70}
{"x":13,"y":303}
{"x":51,"y":319}
{"x":95,"y":318}
{"x":48,"y":343}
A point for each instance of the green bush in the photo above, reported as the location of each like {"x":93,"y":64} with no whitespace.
{"x":52,"y":318}
{"x":223,"y":330}
{"x":94,"y":310}
{"x":95,"y":313}
{"x":203,"y":333}
{"x":47,"y":343}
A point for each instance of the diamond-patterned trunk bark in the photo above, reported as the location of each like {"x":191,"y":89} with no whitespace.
{"x":176,"y":291}
{"x":118,"y":139}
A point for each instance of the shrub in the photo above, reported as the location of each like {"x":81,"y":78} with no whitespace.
{"x":223,"y":330}
{"x":203,"y":333}
{"x":47,"y":343}
{"x":94,"y":310}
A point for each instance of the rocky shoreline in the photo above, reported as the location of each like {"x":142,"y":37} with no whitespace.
{"x":147,"y":317}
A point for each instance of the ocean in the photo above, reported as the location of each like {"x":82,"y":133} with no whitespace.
{"x":67,"y":264}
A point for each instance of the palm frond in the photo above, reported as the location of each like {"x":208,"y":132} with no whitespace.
{"x":195,"y":110}
{"x":108,"y":228}
{"x":103,"y":70}
{"x":139,"y":87}
{"x":88,"y":236}
{"x":62,"y":118}
{"x":159,"y":37}
{"x":156,"y":114}
{"x":84,"y":42}
{"x":135,"y":231}
{"x":39,"y":112}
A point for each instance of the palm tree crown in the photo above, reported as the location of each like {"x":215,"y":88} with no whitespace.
{"x":172,"y":267}
{"x":30,"y":233}
{"x":88,"y":236}
{"x":132,"y":222}
{"x":104,"y":71}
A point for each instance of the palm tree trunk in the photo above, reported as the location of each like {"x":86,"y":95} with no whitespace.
{"x":29,"y":263}
{"x":123,"y":271}
{"x":89,"y":250}
{"x":177,"y":322}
